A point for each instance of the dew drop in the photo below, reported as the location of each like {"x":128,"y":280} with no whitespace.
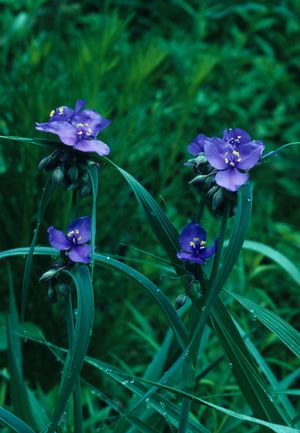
{"x":75,"y":312}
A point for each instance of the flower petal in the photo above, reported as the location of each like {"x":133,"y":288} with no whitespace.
{"x":197,"y":145}
{"x":78,"y":107}
{"x":83,"y":225}
{"x":92,"y":146}
{"x":190,"y":258}
{"x":63,"y":129}
{"x":215,"y":150}
{"x":96,"y":122}
{"x":80,"y":254}
{"x":209,"y":251}
{"x":191,"y":231}
{"x":231,"y":179}
{"x":58,"y":240}
{"x":250,"y":154}
{"x":236,"y":136}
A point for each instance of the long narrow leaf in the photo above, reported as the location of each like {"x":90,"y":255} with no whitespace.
{"x":83,"y":328}
{"x":93,"y":173}
{"x":14,"y":422}
{"x":283,"y":330}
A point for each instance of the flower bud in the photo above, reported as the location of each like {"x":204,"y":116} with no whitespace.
{"x":48,"y":275}
{"x":212,"y":190}
{"x":180,"y":301}
{"x":52,"y":295}
{"x":57,"y":176}
{"x":43,"y":163}
{"x":85,"y":190}
{"x":198,"y":180}
{"x":63,"y":288}
{"x":73,"y":173}
{"x":217,"y":200}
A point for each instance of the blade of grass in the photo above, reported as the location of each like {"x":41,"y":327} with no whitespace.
{"x":276,"y":257}
{"x":283,"y":330}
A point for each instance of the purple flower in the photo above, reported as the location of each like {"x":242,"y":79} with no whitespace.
{"x":197,"y":145}
{"x":77,"y":128}
{"x":74,"y":241}
{"x":234,"y":152}
{"x":193,"y":243}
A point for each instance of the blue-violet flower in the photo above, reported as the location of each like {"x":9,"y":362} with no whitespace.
{"x":193,"y":243}
{"x":74,"y":241}
{"x":234,"y":152}
{"x":77,"y":128}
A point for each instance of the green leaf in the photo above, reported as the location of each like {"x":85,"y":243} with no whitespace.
{"x":14,"y":422}
{"x":93,"y":173}
{"x":284,"y":331}
{"x":276,"y":256}
{"x":276,"y":151}
{"x":83,"y":329}
{"x":162,"y":228}
{"x":28,"y":264}
{"x":19,"y":392}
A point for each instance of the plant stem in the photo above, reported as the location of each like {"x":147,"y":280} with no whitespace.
{"x":190,"y":365}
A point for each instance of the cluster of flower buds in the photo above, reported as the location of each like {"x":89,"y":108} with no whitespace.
{"x":69,"y":170}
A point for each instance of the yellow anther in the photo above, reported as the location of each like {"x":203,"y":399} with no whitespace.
{"x":79,"y":238}
{"x":52,"y":112}
{"x":235,"y":153}
{"x":232,"y":164}
{"x":77,"y":231}
{"x":226,"y":160}
{"x":80,"y":133}
{"x":239,"y":159}
{"x":60,"y":110}
{"x":239,"y":136}
{"x":71,"y":233}
{"x":79,"y":125}
{"x":89,"y":131}
{"x":202,"y":242}
{"x":192,"y":244}
{"x":196,"y":239}
{"x":86,"y":124}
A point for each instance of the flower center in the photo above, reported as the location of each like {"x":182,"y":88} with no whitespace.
{"x":83,"y":131}
{"x":197,"y":246}
{"x":74,"y":236}
{"x":232,"y":158}
{"x":236,"y":140}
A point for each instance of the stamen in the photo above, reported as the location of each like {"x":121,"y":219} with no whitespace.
{"x":236,"y":153}
{"x":232,"y":164}
{"x":52,"y":112}
{"x":60,"y":110}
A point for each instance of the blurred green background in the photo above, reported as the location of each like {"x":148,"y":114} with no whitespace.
{"x":162,"y":72}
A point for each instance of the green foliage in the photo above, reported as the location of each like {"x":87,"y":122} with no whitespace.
{"x":163,"y":72}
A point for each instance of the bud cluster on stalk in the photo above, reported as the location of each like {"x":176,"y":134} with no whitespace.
{"x":69,"y":171}
{"x":204,"y":181}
